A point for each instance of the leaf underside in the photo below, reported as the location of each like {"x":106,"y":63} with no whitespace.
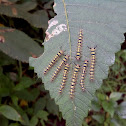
{"x":103,"y":24}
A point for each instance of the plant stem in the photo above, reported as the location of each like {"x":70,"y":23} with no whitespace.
{"x":20,"y":70}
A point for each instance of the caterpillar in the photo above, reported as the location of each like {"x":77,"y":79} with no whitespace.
{"x":59,"y":67}
{"x":53,"y":61}
{"x":64,"y":77}
{"x":83,"y":74}
{"x":78,"y":54}
{"x":93,"y":53}
{"x":74,"y":79}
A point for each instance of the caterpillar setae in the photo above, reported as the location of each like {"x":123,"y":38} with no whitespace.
{"x":74,"y":79}
{"x":93,"y":58}
{"x":53,"y":61}
{"x":78,"y":54}
{"x":64,"y":77}
{"x":59,"y":67}
{"x":83,"y":74}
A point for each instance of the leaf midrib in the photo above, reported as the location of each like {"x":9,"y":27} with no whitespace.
{"x":66,"y":15}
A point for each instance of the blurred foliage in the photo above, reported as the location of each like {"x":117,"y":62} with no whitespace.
{"x":23,"y":16}
{"x":25,"y":102}
{"x":18,"y":48}
{"x":109,"y":106}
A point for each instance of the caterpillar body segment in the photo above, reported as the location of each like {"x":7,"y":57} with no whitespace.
{"x":59,"y":67}
{"x":83,"y":74}
{"x":92,"y":66}
{"x":64,"y":77}
{"x":80,"y":40}
{"x":53,"y":61}
{"x":74,"y":80}
{"x":91,"y":72}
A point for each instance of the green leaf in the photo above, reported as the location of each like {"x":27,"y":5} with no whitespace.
{"x":5,"y":59}
{"x":38,"y":19}
{"x":95,"y":105}
{"x":117,"y":121}
{"x":14,"y":124}
{"x":114,"y":123}
{"x":48,"y":5}
{"x":101,"y":96}
{"x":39,"y":105}
{"x":4,"y":92}
{"x":27,"y":6}
{"x":115,"y":96}
{"x":35,"y":92}
{"x":109,"y":106}
{"x":42,"y":115}
{"x":10,"y":113}
{"x":103,"y":24}
{"x":123,"y":55}
{"x":14,"y":100}
{"x":42,"y":122}
{"x":24,"y":83}
{"x":84,"y":123}
{"x":52,"y":107}
{"x":30,"y":111}
{"x":34,"y":121}
{"x":27,"y":95}
{"x":18,"y":47}
{"x":24,"y":116}
{"x":99,"y":118}
{"x":5,"y":83}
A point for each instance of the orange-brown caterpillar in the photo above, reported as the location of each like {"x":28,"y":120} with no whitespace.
{"x":92,"y":63}
{"x":64,"y":77}
{"x":59,"y":67}
{"x":74,"y":80}
{"x":83,"y":74}
{"x":78,"y":55}
{"x":53,"y":61}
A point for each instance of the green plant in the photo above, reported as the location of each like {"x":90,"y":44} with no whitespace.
{"x":23,"y":99}
{"x":29,"y":11}
{"x":98,"y":33}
